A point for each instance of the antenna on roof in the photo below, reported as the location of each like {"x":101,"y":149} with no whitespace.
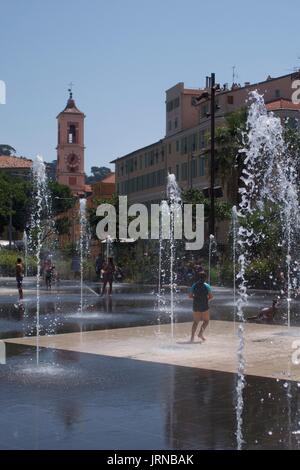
{"x":233,"y":73}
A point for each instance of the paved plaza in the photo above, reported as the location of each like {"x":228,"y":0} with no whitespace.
{"x":113,"y":377}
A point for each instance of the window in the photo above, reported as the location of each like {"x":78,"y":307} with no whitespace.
{"x":230,"y":99}
{"x":184,"y":171}
{"x":176,"y":123}
{"x":204,"y":110}
{"x":194,"y":168}
{"x":170,"y":125}
{"x":152,"y":158}
{"x":156,"y":157}
{"x":277,"y":94}
{"x":170,"y":105}
{"x":173,"y":104}
{"x":122,"y":170}
{"x":184,"y":145}
{"x":170,"y":170}
{"x":194,"y":142}
{"x":170,"y":148}
{"x":202,"y":166}
{"x":177,"y":145}
{"x":202,"y":139}
{"x":162,"y":155}
{"x":141,"y":162}
{"x":72,"y":134}
{"x":177,"y":173}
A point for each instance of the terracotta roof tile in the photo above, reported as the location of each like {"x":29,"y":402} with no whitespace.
{"x":282,"y":104}
{"x":110,"y":178}
{"x":14,"y":162}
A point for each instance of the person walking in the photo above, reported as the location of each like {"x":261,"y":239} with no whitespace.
{"x":108,"y":270}
{"x":20,"y":276}
{"x":201,"y":294}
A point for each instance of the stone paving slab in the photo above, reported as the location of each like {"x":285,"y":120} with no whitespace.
{"x":268,"y":348}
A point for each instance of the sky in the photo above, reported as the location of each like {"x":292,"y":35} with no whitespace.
{"x":121,"y":56}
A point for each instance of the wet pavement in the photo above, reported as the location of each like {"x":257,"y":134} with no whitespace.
{"x":82,"y":401}
{"x":76,"y":400}
{"x":130,"y":305}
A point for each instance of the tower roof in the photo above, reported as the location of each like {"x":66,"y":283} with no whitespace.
{"x":71,"y":107}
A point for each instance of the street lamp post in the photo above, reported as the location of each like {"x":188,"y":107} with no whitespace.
{"x":191,"y":169}
{"x":212,"y":95}
{"x":212,"y":155}
{"x":10,"y":220}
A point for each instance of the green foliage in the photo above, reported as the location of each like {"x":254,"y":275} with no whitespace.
{"x":7,"y":150}
{"x":62,"y":226}
{"x":229,"y":141}
{"x":98,"y":173}
{"x":195,"y":196}
{"x":61,"y":197}
{"x":94,"y":219}
{"x":14,"y":199}
{"x":8,"y":259}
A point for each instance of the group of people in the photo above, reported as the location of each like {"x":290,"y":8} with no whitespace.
{"x":200,"y":292}
{"x":48,"y":271}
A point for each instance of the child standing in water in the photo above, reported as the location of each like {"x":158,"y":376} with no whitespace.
{"x":19,"y":277}
{"x":108,"y":270}
{"x":201,"y":295}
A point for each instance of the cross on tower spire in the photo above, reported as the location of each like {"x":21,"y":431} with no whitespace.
{"x":70,"y":89}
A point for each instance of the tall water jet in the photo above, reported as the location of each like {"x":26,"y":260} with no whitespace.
{"x":83,"y":245}
{"x":234,"y":252}
{"x":174,"y":199}
{"x":211,"y":250}
{"x":41,"y":206}
{"x":109,"y":242}
{"x":269,"y":177}
{"x":164,"y":216}
{"x":25,"y":245}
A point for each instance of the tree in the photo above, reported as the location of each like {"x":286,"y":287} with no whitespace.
{"x":94,"y":219}
{"x":14,"y":199}
{"x":229,"y":140}
{"x":195,"y":196}
{"x":61,"y":197}
{"x":98,"y":173}
{"x":7,"y":150}
{"x":292,"y":140}
{"x":16,"y":196}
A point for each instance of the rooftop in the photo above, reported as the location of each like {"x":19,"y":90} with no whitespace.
{"x":110,"y":178}
{"x":282,"y":104}
{"x":14,"y":162}
{"x":71,"y":107}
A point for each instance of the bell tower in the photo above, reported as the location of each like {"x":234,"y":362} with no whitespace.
{"x":70,"y":147}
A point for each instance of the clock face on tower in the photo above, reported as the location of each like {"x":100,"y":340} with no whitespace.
{"x":73,"y":161}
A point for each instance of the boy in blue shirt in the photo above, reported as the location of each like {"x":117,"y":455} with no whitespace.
{"x":201,"y":295}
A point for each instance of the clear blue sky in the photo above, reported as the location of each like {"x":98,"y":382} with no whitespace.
{"x":122,"y":55}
